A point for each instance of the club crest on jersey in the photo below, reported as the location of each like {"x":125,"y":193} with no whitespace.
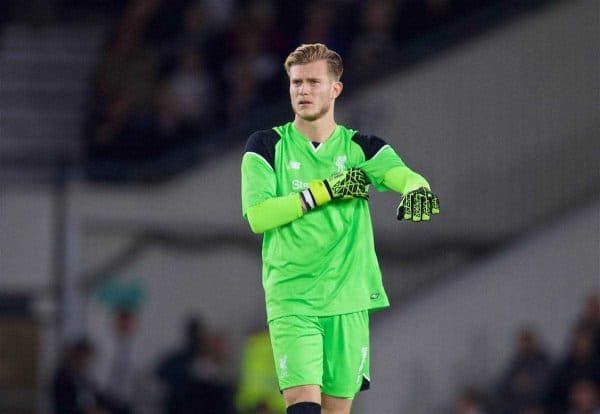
{"x":340,"y":162}
{"x":283,"y":371}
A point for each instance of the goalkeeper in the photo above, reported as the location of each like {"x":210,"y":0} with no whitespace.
{"x":305,"y":188}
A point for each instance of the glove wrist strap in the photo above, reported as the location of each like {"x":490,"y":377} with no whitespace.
{"x":308,"y":199}
{"x":320,"y":192}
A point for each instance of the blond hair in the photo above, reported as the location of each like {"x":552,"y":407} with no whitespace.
{"x":312,"y":53}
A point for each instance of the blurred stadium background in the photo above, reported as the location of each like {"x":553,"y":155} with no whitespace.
{"x":129,"y":282}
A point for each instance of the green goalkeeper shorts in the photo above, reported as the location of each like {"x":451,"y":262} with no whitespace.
{"x":329,"y":351}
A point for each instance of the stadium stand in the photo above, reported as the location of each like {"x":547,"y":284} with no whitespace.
{"x":495,"y":100}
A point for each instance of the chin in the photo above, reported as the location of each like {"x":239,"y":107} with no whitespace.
{"x":307,"y":116}
{"x":310,"y":117}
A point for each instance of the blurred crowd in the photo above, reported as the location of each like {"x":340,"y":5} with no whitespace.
{"x":102,"y":376}
{"x":99,"y":377}
{"x":535,"y":383}
{"x":173,"y":71}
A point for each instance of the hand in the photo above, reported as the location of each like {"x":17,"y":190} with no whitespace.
{"x":418,"y":205}
{"x":347,"y":184}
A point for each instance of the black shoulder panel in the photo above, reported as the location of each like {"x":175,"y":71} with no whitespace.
{"x":370,"y":144}
{"x":263,"y":144}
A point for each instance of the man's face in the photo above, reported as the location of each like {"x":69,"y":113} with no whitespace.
{"x":312,"y":90}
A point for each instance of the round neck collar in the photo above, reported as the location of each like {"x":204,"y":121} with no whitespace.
{"x":315,"y":143}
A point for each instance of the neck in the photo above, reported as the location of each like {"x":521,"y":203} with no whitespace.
{"x":316,"y":131}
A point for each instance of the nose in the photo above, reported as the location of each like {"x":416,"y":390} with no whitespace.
{"x":303,"y":90}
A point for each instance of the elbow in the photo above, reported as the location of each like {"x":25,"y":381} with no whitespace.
{"x":255,"y":225}
{"x":256,"y":229}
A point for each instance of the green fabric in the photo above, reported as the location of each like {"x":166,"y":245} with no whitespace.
{"x":258,"y":181}
{"x":258,"y":380}
{"x":329,"y":351}
{"x":403,"y":180}
{"x":323,"y":263}
{"x":274,"y":212}
{"x":377,"y":168}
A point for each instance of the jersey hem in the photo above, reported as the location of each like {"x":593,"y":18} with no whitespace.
{"x":370,"y":309}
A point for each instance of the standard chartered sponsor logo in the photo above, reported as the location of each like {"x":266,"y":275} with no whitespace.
{"x":299,"y":185}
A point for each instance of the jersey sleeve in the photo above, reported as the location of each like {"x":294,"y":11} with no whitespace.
{"x":380,"y":157}
{"x":259,"y":182}
{"x":404,"y":180}
{"x":261,"y":206}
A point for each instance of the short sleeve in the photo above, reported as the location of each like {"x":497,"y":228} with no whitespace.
{"x":262,"y":143}
{"x":380,"y":157}
{"x":259,"y":182}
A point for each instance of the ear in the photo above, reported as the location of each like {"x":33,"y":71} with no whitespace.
{"x":336,"y":89}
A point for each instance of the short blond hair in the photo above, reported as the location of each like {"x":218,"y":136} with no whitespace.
{"x":312,"y":53}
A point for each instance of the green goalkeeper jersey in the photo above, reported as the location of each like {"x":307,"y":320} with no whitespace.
{"x":322,"y":263}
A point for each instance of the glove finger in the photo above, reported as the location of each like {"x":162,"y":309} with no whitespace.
{"x":360,"y":190}
{"x":364,"y":196}
{"x":355,"y":183}
{"x":400,"y":211}
{"x":408,"y":203}
{"x":435,"y":204}
{"x":350,"y":188}
{"x":364,"y":192}
{"x":417,"y":205}
{"x":358,"y":175}
{"x":425,"y":209}
{"x":363,"y":177}
{"x":354,"y":173}
{"x":357,"y":190}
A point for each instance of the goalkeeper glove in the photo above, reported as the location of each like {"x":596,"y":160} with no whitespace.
{"x":418,"y":205}
{"x":347,"y":184}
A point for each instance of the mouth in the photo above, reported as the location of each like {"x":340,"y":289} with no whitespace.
{"x":304,"y":102}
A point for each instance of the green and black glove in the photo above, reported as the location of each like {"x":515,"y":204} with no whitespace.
{"x":347,"y":184}
{"x":418,"y":205}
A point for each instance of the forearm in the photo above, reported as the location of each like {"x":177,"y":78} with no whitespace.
{"x":274,"y":212}
{"x":403,"y":180}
